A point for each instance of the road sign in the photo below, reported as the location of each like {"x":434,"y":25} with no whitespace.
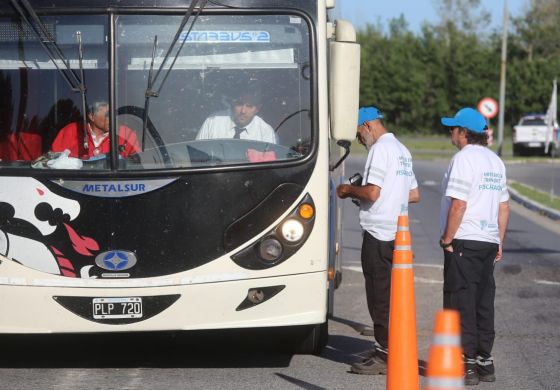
{"x":488,"y":107}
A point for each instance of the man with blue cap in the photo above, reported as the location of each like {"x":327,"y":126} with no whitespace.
{"x":388,"y":185}
{"x":473,"y":221}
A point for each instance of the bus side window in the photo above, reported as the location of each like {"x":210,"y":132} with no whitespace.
{"x":60,"y":114}
{"x":25,"y":145}
{"x":35,"y":138}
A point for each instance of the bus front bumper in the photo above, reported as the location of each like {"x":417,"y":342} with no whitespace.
{"x":274,"y":301}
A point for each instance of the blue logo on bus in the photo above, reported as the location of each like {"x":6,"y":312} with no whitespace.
{"x":226,"y":36}
{"x":116,"y":260}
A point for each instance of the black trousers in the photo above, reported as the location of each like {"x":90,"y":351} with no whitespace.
{"x":377,"y":263}
{"x":469,"y":287}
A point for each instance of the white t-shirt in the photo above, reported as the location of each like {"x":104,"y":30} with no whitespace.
{"x":220,"y":125}
{"x":97,"y":139}
{"x":389,"y":166}
{"x":478,"y":176}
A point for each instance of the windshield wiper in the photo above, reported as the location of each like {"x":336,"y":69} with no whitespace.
{"x":149,"y":93}
{"x":82,"y":85}
{"x":150,"y":90}
{"x":47,"y":41}
{"x":76,"y":84}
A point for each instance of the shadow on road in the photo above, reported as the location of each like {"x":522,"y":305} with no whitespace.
{"x":200,"y":349}
{"x":348,"y":350}
{"x":345,"y":349}
{"x":357,"y":326}
{"x":300,"y":383}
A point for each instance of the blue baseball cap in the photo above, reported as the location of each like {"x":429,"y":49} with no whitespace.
{"x":468,"y":118}
{"x":366,"y":114}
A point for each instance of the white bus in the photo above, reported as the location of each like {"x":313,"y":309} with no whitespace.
{"x":215,"y":209}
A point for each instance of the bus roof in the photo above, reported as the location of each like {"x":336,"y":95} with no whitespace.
{"x":73,"y":4}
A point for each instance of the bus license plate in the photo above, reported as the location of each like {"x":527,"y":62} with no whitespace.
{"x":535,"y":144}
{"x":115,"y":308}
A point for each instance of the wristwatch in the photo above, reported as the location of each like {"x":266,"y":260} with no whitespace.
{"x":444,"y":244}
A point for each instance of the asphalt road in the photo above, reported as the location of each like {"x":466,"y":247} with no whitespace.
{"x":544,"y":176}
{"x":527,"y":348}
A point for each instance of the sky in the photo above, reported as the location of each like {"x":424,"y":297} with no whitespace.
{"x":361,"y":12}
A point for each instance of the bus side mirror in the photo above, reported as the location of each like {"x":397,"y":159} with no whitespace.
{"x":344,"y":79}
{"x":346,"y":146}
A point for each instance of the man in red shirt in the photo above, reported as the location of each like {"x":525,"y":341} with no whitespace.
{"x":71,"y":136}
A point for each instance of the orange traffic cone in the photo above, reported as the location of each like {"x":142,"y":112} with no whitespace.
{"x":402,"y":360}
{"x":445,"y":369}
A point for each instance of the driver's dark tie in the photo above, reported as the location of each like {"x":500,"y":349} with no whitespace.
{"x":238,"y":131}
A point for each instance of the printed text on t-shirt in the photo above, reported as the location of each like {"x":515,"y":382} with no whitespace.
{"x":405,"y":164}
{"x":491,"y":181}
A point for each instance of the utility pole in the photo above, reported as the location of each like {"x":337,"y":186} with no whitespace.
{"x":503,"y":80}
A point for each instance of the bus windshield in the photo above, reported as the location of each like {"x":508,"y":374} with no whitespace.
{"x":36,"y":100}
{"x":235,"y":90}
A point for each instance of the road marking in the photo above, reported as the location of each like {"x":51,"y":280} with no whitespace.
{"x":359,"y":269}
{"x":438,"y":266}
{"x":428,"y":281}
{"x":416,"y":278}
{"x":547,"y":282}
{"x":433,"y":281}
{"x":352,"y":268}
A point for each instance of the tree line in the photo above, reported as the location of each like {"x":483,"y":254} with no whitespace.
{"x":417,"y":78}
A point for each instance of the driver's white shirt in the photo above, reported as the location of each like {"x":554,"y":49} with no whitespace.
{"x":220,"y":125}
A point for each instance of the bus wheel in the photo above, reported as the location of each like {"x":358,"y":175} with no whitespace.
{"x":315,"y":340}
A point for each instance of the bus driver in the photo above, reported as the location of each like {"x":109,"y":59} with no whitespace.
{"x":241,"y":122}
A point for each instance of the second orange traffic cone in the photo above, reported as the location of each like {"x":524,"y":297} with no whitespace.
{"x":402,"y":360}
{"x":445,"y":359}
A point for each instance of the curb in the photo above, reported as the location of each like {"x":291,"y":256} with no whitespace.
{"x":534,"y":206}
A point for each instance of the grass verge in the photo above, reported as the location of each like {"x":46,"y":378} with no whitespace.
{"x":428,"y":147}
{"x":543,"y":198}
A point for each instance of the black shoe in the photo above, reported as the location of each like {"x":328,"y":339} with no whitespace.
{"x":367,"y":332}
{"x":487,"y":378}
{"x":471,"y":374}
{"x":378,"y":351}
{"x":372,"y":366}
{"x":381,"y":353}
{"x":366,"y":355}
{"x":471,"y":377}
{"x":485,"y":369}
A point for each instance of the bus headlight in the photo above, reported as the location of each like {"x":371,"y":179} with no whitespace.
{"x":292,"y":230}
{"x":270,"y":249}
{"x":282,"y":240}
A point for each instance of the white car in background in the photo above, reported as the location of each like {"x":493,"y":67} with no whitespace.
{"x":531,"y":135}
